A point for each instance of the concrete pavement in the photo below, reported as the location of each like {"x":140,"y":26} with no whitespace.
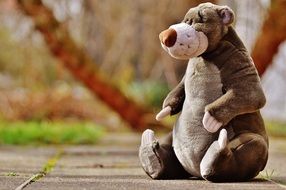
{"x":113,"y":164}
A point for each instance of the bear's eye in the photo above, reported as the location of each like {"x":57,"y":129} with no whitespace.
{"x":200,"y":16}
{"x":189,"y":21}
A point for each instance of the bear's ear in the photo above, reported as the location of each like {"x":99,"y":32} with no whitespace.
{"x":226,"y":15}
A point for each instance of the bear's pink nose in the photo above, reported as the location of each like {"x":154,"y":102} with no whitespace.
{"x":168,"y":37}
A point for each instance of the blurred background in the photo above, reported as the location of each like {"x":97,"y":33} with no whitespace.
{"x":73,"y":70}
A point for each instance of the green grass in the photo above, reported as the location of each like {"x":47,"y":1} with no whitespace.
{"x":276,"y":128}
{"x":51,"y":163}
{"x":270,"y":176}
{"x":44,"y":132}
{"x":12,"y":174}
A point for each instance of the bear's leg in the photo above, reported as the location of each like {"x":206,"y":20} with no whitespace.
{"x":238,"y":160}
{"x":158,"y":159}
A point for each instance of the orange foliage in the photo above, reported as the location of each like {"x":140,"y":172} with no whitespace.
{"x":272,"y":35}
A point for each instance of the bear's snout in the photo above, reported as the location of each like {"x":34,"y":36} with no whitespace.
{"x":168,"y":37}
{"x":182,"y":41}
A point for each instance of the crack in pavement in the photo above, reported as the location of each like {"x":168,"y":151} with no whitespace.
{"x":47,"y":168}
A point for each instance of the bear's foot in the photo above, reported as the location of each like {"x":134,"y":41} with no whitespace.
{"x":239,"y":159}
{"x":216,"y":153}
{"x":149,"y":159}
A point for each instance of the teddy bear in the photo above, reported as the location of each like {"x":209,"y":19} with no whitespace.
{"x":219,"y":134}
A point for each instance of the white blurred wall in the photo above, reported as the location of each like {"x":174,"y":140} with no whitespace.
{"x":274,"y":84}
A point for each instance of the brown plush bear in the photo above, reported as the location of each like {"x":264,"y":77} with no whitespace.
{"x":219,"y":134}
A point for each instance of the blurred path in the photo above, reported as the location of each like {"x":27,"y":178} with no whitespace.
{"x":113,"y":164}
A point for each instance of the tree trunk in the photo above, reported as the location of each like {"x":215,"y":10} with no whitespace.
{"x":272,"y":35}
{"x":83,"y":68}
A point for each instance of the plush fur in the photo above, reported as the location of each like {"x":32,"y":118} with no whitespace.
{"x":219,"y":134}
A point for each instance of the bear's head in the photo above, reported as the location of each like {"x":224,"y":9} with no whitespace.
{"x":201,"y":30}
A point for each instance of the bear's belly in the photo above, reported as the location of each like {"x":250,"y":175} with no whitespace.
{"x":190,"y":139}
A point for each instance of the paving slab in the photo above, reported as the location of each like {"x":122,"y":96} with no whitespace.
{"x":17,"y":164}
{"x":99,"y":161}
{"x":276,"y":168}
{"x":7,"y":182}
{"x":139,"y":182}
{"x":24,"y":159}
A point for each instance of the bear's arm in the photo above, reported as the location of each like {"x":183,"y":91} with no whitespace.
{"x":175,"y":99}
{"x":242,"y":89}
